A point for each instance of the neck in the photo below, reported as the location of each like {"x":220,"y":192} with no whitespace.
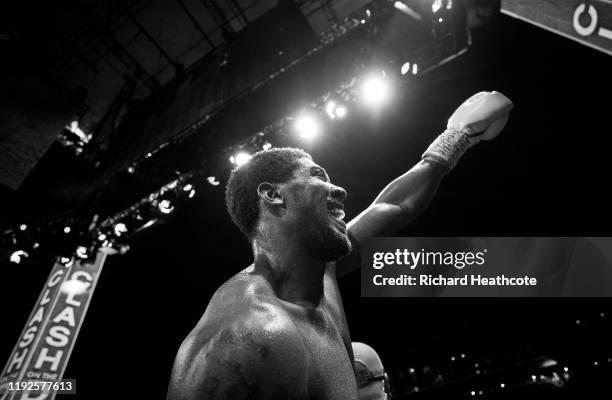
{"x":292,"y":271}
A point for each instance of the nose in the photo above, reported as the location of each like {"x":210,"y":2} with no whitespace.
{"x":338,"y":193}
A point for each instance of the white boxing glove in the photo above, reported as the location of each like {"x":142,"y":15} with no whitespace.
{"x":481,"y":117}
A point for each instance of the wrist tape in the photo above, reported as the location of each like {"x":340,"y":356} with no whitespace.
{"x":448,"y":148}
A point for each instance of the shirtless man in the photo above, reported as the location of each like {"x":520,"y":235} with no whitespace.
{"x":277,"y":330}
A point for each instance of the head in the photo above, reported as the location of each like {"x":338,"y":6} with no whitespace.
{"x":284,"y":190}
{"x":372,"y":380}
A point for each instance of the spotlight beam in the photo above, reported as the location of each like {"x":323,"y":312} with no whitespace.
{"x":375,"y":90}
{"x":307,"y":126}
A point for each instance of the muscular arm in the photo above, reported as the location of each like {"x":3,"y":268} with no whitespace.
{"x":481,"y":117}
{"x":398,"y":204}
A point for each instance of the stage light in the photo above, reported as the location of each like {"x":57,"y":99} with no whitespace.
{"x":501,"y":385}
{"x":407,"y":10}
{"x":341,"y":111}
{"x":405,"y":68}
{"x":74,"y":287}
{"x":124,"y":248}
{"x":267,"y":146}
{"x":415,"y":69}
{"x":440,"y":19}
{"x":473,"y":393}
{"x":65,"y":260}
{"x":330,"y":109}
{"x":189,"y":188}
{"x":240,"y":158}
{"x":213,"y":181}
{"x":534,"y":378}
{"x":81,"y":252}
{"x":307,"y":126}
{"x":120,"y":229}
{"x":74,"y":128}
{"x":334,"y":110}
{"x":67,"y":229}
{"x":436,"y":6}
{"x":565,"y":369}
{"x":449,"y":4}
{"x":165,"y":207}
{"x":375,"y":90}
{"x":149,"y":224}
{"x":18,"y":256}
{"x":23,"y":227}
{"x":130,"y":170}
{"x":462,"y":355}
{"x":35,"y":245}
{"x":548,"y":363}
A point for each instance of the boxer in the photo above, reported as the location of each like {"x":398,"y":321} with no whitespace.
{"x":277,"y":330}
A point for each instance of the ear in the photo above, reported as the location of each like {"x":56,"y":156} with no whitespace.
{"x":270,"y":194}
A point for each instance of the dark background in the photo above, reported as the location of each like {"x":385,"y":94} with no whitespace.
{"x":546,"y":175}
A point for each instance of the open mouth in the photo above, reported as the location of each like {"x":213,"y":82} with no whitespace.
{"x":335,"y":209}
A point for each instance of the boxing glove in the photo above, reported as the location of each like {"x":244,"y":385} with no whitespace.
{"x":481,"y":117}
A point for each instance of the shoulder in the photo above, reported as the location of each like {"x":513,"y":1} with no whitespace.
{"x":245,"y":346}
{"x":246,"y":304}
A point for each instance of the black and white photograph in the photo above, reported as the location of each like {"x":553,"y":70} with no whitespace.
{"x":305,"y":199}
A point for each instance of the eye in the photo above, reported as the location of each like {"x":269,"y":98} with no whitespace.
{"x":319,"y":174}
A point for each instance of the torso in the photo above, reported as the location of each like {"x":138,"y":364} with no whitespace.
{"x":318,"y":346}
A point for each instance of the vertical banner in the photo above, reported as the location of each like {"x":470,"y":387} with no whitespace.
{"x":587,"y":22}
{"x":44,"y":347}
{"x":30,"y":334}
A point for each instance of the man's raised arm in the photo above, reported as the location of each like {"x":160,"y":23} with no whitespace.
{"x":481,"y":117}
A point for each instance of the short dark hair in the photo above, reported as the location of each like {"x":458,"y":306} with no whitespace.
{"x":274,"y":166}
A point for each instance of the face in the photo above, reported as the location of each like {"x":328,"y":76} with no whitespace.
{"x":316,"y":207}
